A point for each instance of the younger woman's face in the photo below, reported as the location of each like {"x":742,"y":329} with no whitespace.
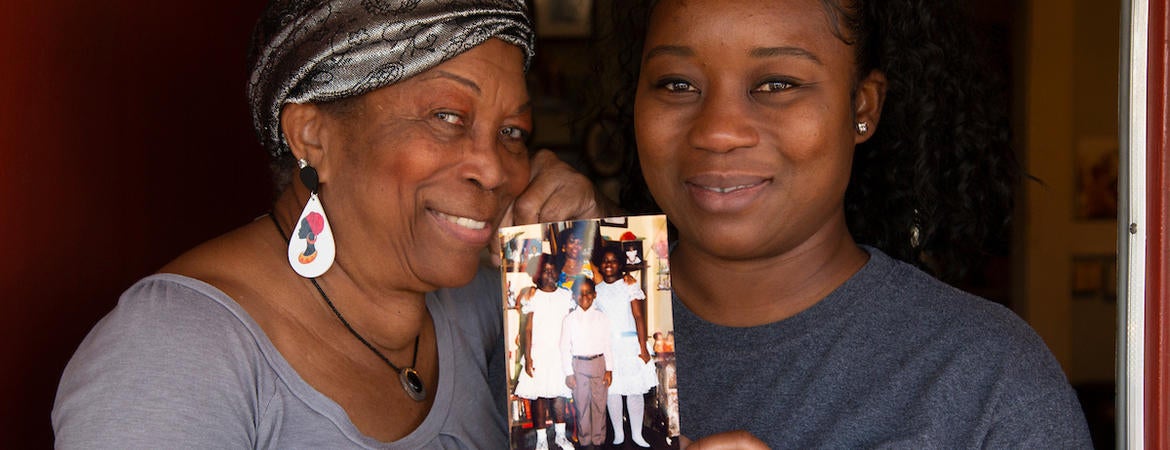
{"x":746,"y":122}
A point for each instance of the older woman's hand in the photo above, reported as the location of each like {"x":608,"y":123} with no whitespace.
{"x":557,"y":192}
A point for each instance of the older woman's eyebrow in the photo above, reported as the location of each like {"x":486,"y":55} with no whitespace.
{"x":456,"y":78}
{"x":671,"y":50}
{"x":772,"y":52}
{"x":524,"y":108}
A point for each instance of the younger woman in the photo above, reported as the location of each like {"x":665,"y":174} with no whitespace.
{"x":810,"y":154}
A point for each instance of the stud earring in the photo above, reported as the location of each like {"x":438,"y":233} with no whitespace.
{"x":862,"y":127}
{"x":311,"y":248}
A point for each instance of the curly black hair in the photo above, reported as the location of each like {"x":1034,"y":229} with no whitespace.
{"x":608,"y":247}
{"x":934,"y":185}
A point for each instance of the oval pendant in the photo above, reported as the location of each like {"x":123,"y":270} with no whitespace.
{"x":412,"y":384}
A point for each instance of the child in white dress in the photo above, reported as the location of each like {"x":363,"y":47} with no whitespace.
{"x":624,"y":303}
{"x":542,"y":380}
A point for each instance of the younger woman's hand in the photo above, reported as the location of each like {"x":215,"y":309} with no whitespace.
{"x":731,"y":440}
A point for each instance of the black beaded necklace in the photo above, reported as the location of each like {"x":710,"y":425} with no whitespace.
{"x":411,"y":381}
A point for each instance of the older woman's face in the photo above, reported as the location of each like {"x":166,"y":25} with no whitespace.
{"x":426,"y":167}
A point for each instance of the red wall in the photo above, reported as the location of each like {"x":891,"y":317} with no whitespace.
{"x":1157,"y":374}
{"x":124,"y":139}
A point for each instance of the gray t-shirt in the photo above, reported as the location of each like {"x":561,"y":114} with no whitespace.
{"x":178,"y":364}
{"x":891,"y":359}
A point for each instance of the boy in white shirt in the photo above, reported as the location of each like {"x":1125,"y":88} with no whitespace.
{"x":587,"y":362}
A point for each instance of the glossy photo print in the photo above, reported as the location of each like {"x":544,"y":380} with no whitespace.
{"x":589,"y":334}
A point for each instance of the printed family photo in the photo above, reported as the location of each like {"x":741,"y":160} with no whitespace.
{"x":589,"y":335}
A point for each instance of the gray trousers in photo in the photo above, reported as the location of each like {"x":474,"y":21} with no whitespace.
{"x":589,"y":396}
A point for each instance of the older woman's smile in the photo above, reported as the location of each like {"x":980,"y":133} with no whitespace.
{"x":473,"y":232}
{"x":465,"y":222}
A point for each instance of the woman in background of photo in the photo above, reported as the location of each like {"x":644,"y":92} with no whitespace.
{"x":575,"y":246}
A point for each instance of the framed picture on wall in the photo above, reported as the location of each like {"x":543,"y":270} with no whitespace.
{"x":1096,"y":179}
{"x":633,"y":255}
{"x":564,"y":18}
{"x":619,"y":222}
{"x":1094,"y":277}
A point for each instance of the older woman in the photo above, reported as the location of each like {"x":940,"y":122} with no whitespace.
{"x":355,"y":314}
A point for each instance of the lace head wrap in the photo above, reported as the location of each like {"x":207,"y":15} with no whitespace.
{"x":307,"y":51}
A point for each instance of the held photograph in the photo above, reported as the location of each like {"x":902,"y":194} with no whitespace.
{"x":589,"y":335}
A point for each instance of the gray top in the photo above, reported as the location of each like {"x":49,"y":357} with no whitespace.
{"x":178,"y":364}
{"x":891,"y":359}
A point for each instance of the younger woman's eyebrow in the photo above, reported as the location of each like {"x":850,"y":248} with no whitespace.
{"x":758,"y":52}
{"x":772,"y":52}
{"x":671,"y":50}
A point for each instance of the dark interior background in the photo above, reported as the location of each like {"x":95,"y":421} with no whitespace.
{"x":124,"y":139}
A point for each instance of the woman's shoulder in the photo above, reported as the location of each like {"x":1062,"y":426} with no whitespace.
{"x":479,"y":302}
{"x":981,"y":345}
{"x":168,"y":317}
{"x":250,"y":266}
{"x":917,"y":293}
{"x":167,"y":305}
{"x":926,"y":313}
{"x":240,"y":254}
{"x":915,"y":309}
{"x":172,"y":348}
{"x":486,"y":287}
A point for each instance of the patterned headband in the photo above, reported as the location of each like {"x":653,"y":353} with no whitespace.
{"x":315,"y":51}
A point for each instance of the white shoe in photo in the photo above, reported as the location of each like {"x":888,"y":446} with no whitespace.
{"x":541,"y":442}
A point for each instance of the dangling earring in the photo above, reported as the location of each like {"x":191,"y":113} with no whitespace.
{"x":862,"y":127}
{"x":311,"y":248}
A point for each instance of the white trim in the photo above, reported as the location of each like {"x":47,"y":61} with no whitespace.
{"x":1131,"y":246}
